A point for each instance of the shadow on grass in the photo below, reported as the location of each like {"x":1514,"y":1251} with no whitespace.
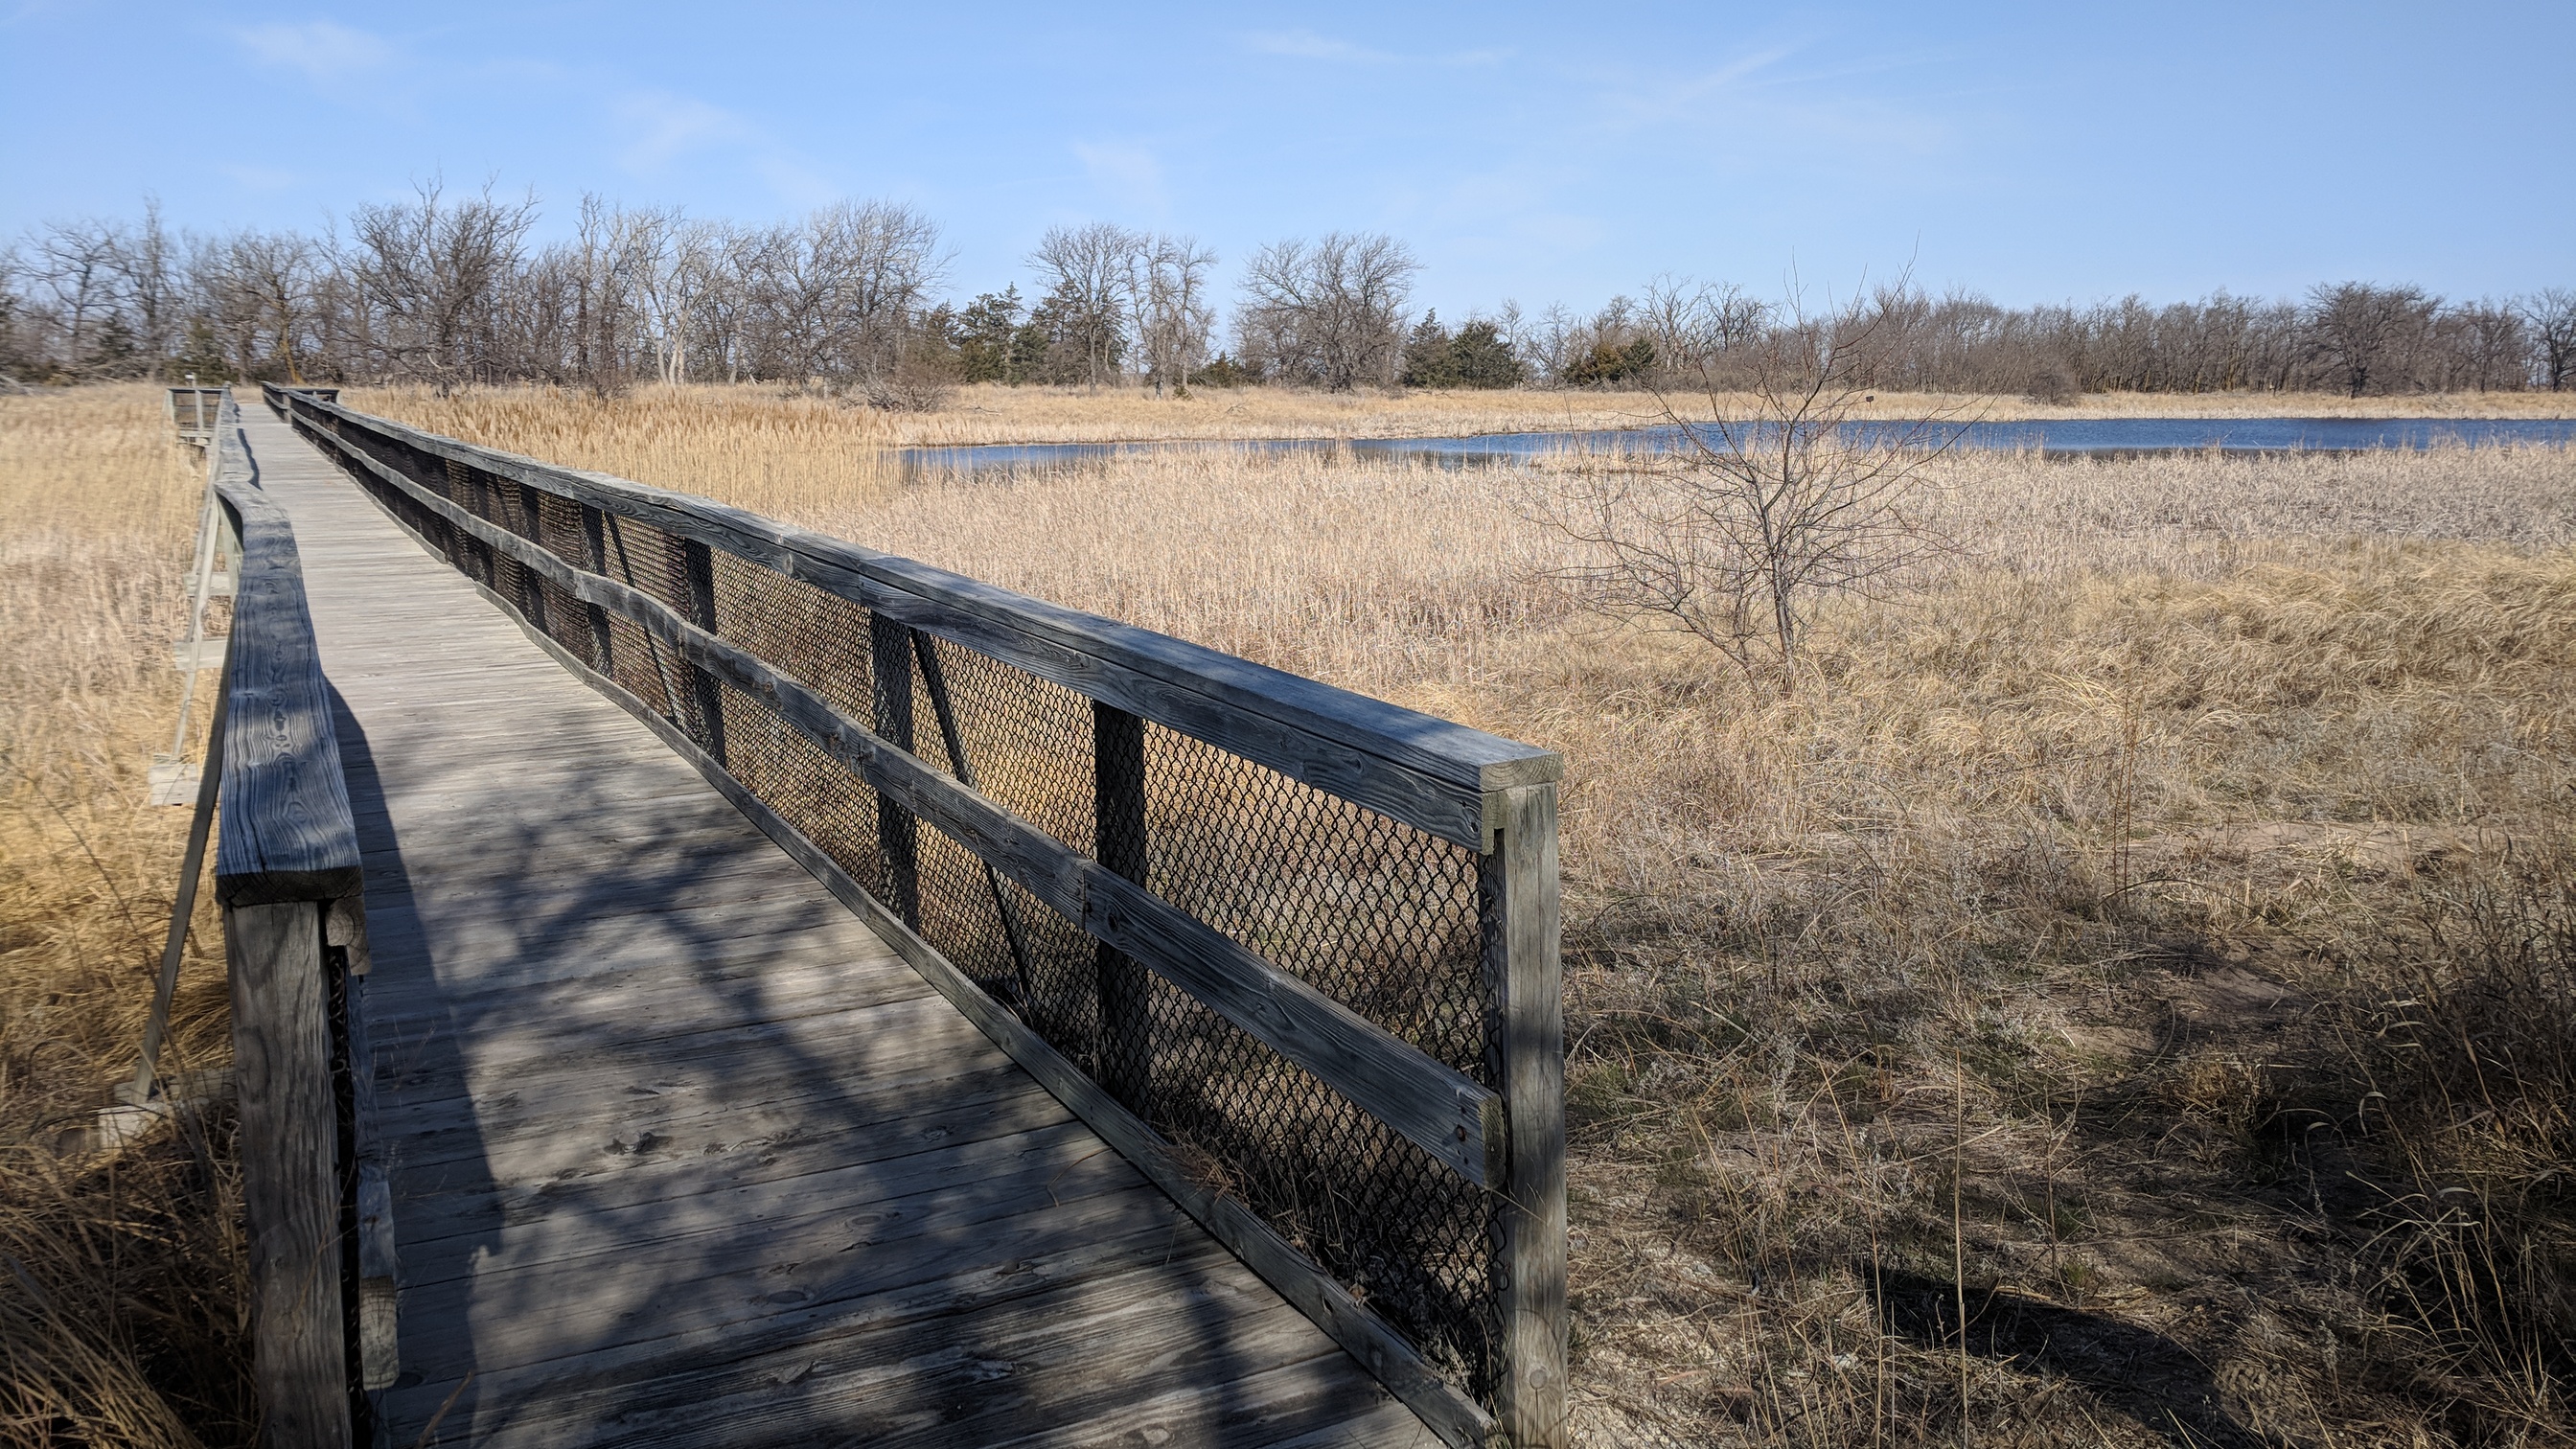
{"x":2136,"y":1370}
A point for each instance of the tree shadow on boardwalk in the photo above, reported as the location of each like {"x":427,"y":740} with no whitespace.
{"x":2136,"y":1370}
{"x":681,"y":1156}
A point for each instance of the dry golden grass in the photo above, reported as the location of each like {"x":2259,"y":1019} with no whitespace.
{"x":795,"y":441}
{"x":2083,"y":879}
{"x":2152,"y":929}
{"x":120,"y":1276}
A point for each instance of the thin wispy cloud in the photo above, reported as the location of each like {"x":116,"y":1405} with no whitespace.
{"x":660,"y":127}
{"x":1131,"y":175}
{"x":1307,"y":45}
{"x":325,"y":51}
{"x":661,"y":131}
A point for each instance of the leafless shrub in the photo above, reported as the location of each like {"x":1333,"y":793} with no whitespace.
{"x":1733,"y":535}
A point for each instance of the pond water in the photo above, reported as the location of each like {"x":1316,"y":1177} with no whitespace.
{"x":2065,"y":437}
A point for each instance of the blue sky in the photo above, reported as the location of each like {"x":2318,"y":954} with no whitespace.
{"x":2034,"y":152}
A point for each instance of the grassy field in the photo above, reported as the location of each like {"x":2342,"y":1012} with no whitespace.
{"x":2151,"y":930}
{"x":121,"y":1297}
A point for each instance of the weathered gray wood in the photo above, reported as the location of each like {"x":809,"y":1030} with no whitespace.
{"x":1425,"y":771}
{"x":890,"y":703}
{"x":290,"y":1192}
{"x":379,"y":1342}
{"x":287,"y":833}
{"x":607,"y":1229}
{"x":1437,"y":1108}
{"x":1457,"y":1419}
{"x":1524,"y":984}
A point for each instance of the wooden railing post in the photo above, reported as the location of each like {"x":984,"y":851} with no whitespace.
{"x":290,"y":1135}
{"x":898,"y":832}
{"x":1524,"y":991}
{"x":1119,"y":844}
{"x":594,"y":539}
{"x":286,"y":873}
{"x":698,"y":594}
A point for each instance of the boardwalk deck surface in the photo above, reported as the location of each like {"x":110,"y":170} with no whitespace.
{"x":682,"y":1153}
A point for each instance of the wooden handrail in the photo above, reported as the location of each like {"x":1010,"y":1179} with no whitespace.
{"x":1494,"y":796}
{"x":287,"y":876}
{"x":1427,"y":772}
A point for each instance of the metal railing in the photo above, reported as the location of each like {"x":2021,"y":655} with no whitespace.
{"x":1291,"y":950}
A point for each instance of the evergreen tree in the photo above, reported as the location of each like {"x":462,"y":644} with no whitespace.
{"x":1480,"y":356}
{"x":987,"y":336}
{"x":1427,"y":358}
{"x":1476,"y":355}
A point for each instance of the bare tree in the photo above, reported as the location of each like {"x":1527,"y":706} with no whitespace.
{"x":678,"y":273}
{"x":1090,"y":273}
{"x":1694,"y":325}
{"x":1733,"y":534}
{"x":430,"y":271}
{"x":74,"y":275}
{"x":267,"y":285}
{"x":1168,"y":287}
{"x":1328,"y":312}
{"x":2551,"y":315}
{"x":2362,"y":334}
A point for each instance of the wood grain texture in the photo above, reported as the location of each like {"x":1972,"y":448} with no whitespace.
{"x":652,"y":1183}
{"x":290,"y":1187}
{"x":1524,"y":983}
{"x":287,"y":832}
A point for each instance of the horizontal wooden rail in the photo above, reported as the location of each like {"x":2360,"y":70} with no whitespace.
{"x":1438,"y":1109}
{"x":1493,"y":796}
{"x":287,"y":876}
{"x":1427,"y":772}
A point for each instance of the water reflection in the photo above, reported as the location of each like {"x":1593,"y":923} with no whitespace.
{"x":2060,"y":437}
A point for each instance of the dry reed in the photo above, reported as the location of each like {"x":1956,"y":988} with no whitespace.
{"x":2148,"y":935}
{"x":120,"y":1289}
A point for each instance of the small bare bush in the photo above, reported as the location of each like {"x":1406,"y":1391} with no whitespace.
{"x":1733,"y":535}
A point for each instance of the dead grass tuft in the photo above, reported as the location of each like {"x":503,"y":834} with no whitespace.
{"x":120,"y":1290}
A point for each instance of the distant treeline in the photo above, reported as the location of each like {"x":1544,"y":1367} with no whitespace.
{"x":447,"y":289}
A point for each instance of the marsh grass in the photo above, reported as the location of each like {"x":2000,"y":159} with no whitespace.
{"x":2063,"y":932}
{"x":120,"y":1274}
{"x":2150,"y":935}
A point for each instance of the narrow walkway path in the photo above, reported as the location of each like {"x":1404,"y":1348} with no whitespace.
{"x":682,"y":1153}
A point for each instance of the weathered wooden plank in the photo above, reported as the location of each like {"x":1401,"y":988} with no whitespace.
{"x":974,"y":1378}
{"x":862,"y":1308}
{"x":1434,"y":1106}
{"x":1007,"y":1146}
{"x":287,"y":833}
{"x":511,"y":1137}
{"x":1523,"y":981}
{"x":290,"y":1192}
{"x":555,"y":1302}
{"x":579,"y":1128}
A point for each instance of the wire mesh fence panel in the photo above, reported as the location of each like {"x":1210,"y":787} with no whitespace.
{"x":1388,"y":920}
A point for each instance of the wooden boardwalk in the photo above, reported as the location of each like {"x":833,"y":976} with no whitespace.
{"x":681,"y":1152}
